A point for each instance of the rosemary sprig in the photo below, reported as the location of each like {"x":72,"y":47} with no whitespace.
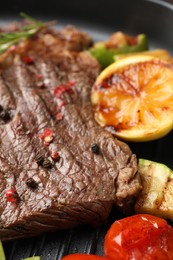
{"x":27,"y":31}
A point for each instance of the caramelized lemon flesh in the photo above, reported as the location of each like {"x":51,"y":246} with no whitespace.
{"x":134,"y":96}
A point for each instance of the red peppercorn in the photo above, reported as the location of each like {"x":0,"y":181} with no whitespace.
{"x":54,"y":155}
{"x":39,"y":76}
{"x":28,"y":60}
{"x":11,"y":196}
{"x":59,"y":90}
{"x":71,"y":83}
{"x":48,"y":132}
{"x":47,"y":136}
{"x":59,"y":116}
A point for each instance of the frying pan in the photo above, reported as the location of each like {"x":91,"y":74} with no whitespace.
{"x":99,"y":18}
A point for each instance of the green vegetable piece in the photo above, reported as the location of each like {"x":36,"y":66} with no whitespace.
{"x":104,"y":56}
{"x":33,"y":258}
{"x":2,"y":255}
{"x":107,"y":56}
{"x":157,"y":193}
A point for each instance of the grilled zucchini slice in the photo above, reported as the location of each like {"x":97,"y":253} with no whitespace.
{"x":156,"y":197}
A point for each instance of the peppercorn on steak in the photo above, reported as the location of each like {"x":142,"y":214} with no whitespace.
{"x":58,"y":168}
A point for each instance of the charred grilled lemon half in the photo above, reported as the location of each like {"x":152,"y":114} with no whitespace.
{"x":133,"y":98}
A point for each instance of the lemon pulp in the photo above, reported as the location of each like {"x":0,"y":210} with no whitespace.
{"x":135,"y":96}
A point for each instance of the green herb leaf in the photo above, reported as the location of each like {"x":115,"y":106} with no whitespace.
{"x":27,"y":31}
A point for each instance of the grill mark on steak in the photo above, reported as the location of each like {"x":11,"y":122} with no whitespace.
{"x":5,"y":96}
{"x":29,"y":104}
{"x":79,"y":188}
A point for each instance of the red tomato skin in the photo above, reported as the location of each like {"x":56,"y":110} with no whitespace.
{"x":83,"y":257}
{"x":139,"y":237}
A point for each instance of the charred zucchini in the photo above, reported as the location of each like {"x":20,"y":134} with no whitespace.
{"x":156,"y":197}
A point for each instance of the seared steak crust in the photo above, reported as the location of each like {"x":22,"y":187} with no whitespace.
{"x":77,"y":186}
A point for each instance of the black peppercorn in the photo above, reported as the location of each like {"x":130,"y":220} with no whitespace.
{"x":31,"y":183}
{"x":95,"y":148}
{"x":47,"y":163}
{"x":6,"y":115}
{"x":1,"y":108}
{"x":39,"y":159}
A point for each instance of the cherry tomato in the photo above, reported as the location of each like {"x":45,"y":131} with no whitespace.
{"x":139,"y":237}
{"x":83,"y":257}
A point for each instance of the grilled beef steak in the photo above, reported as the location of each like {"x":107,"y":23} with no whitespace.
{"x":47,"y":42}
{"x":58,"y":168}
